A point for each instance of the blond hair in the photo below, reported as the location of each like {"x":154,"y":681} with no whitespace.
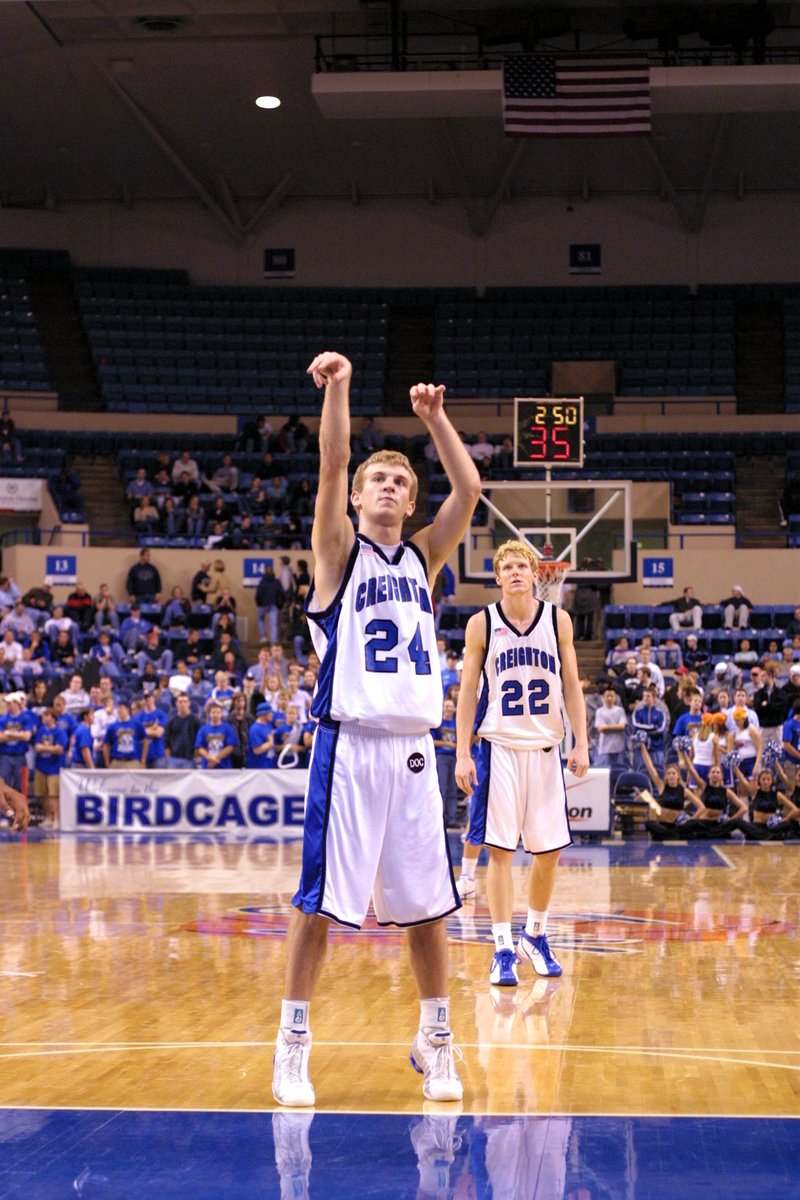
{"x":392,"y":457}
{"x":515,"y":547}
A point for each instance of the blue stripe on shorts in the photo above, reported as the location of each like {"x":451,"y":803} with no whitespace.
{"x":308,"y":896}
{"x":479,"y":803}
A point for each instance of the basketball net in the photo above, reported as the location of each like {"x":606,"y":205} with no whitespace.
{"x":550,"y":579}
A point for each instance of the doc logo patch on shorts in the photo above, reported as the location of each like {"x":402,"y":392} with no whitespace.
{"x":416,"y":763}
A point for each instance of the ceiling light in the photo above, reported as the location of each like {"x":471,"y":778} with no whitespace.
{"x":268,"y":102}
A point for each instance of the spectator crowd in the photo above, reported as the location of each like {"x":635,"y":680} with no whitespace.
{"x":152,"y":679}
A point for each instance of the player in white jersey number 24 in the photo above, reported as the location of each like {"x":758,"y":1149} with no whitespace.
{"x":374,"y":828}
{"x":519,"y":669}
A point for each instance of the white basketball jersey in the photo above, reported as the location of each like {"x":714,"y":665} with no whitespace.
{"x":520,"y":695}
{"x":377,"y":643}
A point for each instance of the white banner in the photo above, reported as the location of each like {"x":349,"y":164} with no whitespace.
{"x":589,"y":801}
{"x":261,"y":801}
{"x":183,"y":801}
{"x":20,"y":495}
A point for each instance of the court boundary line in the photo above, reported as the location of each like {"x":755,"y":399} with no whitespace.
{"x":722,"y":1057}
{"x":443,"y":1107}
{"x":727,"y":861}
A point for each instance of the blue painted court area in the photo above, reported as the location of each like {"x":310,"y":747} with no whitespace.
{"x":120,"y":1155}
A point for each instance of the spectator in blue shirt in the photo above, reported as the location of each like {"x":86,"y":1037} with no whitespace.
{"x":176,"y":613}
{"x":222,"y":692}
{"x":65,"y":720}
{"x":83,"y":742}
{"x":109,"y":655}
{"x":9,"y":593}
{"x":450,"y":672}
{"x":16,"y":732}
{"x":139,"y":488}
{"x":647,"y":718}
{"x":50,"y":753}
{"x":694,"y":716}
{"x":791,"y":738}
{"x":198,"y":690}
{"x":19,"y":620}
{"x":134,"y":630}
{"x":216,"y":740}
{"x":152,"y":726}
{"x":261,"y":740}
{"x":122,"y":746}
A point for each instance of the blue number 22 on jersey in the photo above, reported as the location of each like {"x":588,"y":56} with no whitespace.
{"x":512,"y":704}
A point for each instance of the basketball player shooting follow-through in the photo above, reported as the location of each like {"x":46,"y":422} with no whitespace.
{"x":373,"y":822}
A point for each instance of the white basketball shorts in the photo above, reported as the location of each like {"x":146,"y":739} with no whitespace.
{"x":519,"y":794}
{"x":374,"y":827}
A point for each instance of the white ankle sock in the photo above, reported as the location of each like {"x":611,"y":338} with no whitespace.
{"x":536,"y":923}
{"x":434,"y":1014}
{"x":503,"y":939}
{"x":294,"y":1015}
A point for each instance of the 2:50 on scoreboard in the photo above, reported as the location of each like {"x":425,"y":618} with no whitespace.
{"x":548,"y":432}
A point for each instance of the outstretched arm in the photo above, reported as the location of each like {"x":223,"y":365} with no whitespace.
{"x":749,"y":786}
{"x":685,"y":760}
{"x":658,"y":782}
{"x":438,"y":540}
{"x":332,"y":533}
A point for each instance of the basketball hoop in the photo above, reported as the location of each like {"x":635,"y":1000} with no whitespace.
{"x":550,"y":580}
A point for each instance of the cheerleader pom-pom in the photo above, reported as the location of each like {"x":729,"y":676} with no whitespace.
{"x":772,"y":753}
{"x":683,"y":744}
{"x":731,"y":760}
{"x":640,"y":738}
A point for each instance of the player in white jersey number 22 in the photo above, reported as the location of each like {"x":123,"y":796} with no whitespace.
{"x":519,"y":668}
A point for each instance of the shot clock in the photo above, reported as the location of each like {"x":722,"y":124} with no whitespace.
{"x":548,"y":433}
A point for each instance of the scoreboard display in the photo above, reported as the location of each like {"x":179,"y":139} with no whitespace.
{"x":548,"y":433}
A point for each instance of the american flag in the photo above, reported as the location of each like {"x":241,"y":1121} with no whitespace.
{"x":549,"y":96}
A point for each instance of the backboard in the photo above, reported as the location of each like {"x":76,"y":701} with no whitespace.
{"x":588,"y":523}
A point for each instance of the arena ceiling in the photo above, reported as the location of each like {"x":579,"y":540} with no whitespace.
{"x":134,"y":101}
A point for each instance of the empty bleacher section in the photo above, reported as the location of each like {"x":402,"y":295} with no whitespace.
{"x":664,"y":340}
{"x":160,"y":344}
{"x":22,"y":363}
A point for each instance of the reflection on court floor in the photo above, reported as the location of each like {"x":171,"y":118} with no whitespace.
{"x":294,"y":1155}
{"x":140,"y":979}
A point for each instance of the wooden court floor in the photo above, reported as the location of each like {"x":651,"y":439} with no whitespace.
{"x":145,"y":972}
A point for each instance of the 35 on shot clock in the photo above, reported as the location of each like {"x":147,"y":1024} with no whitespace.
{"x":548,"y":432}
